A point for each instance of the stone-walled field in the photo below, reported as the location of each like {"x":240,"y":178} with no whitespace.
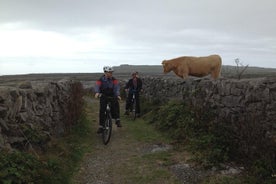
{"x":32,"y":112}
{"x":242,"y":110}
{"x":37,"y":103}
{"x":231,"y":99}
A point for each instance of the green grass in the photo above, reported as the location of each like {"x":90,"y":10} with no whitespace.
{"x":65,"y":153}
{"x":144,"y":167}
{"x":56,"y":165}
{"x":223,"y":180}
{"x":143,"y":132}
{"x":148,"y":168}
{"x":210,"y":142}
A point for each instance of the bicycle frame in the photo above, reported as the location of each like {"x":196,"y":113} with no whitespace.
{"x":107,"y":127}
{"x":133,"y":106}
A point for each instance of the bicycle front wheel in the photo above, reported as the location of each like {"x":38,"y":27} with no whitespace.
{"x":107,"y":129}
{"x":134,"y":112}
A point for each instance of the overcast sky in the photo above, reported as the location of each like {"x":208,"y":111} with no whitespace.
{"x":62,"y":36}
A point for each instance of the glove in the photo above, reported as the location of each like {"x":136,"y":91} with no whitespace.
{"x":97,"y":95}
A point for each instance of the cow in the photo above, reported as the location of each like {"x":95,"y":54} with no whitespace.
{"x":194,"y":66}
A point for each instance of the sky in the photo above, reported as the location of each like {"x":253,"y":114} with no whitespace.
{"x":82,"y":36}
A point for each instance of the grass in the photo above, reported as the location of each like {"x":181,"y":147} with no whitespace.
{"x":56,"y":165}
{"x":148,"y":169}
{"x":65,"y":153}
{"x":211,"y":143}
{"x":141,"y":131}
{"x":137,"y":167}
{"x":223,"y":180}
{"x":128,"y":164}
{"x":151,"y":167}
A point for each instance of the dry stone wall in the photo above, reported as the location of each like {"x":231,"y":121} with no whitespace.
{"x":231,"y":100}
{"x":32,"y":112}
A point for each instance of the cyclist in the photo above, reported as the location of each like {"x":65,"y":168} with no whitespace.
{"x":133,"y":86}
{"x":109,"y":87}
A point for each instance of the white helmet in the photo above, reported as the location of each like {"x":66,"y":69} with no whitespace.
{"x":108,"y":69}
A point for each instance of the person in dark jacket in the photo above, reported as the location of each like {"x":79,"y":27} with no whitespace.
{"x":133,"y":86}
{"x":108,"y":86}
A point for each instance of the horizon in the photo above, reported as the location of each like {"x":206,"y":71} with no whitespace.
{"x":123,"y":65}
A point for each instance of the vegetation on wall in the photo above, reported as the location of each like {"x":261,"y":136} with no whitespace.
{"x":195,"y":128}
{"x":75,"y":105}
{"x":55,"y":165}
{"x":213,"y":142}
{"x":43,"y":158}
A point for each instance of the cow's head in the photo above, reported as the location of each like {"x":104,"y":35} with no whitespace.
{"x":166,"y":66}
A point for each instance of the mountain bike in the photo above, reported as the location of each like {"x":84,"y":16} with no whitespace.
{"x":133,"y":106}
{"x":107,"y":126}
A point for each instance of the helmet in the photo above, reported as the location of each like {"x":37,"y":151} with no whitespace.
{"x":134,"y":73}
{"x":108,"y":69}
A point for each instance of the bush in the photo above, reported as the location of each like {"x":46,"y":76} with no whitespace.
{"x":20,"y":167}
{"x":195,"y":127}
{"x":214,"y":142}
{"x":75,"y":105}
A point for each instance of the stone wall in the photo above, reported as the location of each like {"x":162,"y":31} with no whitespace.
{"x":231,"y":100}
{"x":31,"y":113}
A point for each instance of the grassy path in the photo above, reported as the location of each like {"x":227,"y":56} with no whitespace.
{"x":136,"y":154}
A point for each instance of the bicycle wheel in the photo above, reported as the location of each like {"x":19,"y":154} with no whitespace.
{"x":133,"y":112}
{"x":107,"y":129}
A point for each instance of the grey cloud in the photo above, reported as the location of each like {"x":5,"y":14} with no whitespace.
{"x":243,"y":17}
{"x":156,"y":29}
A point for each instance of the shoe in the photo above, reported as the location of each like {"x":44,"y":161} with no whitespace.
{"x":100,"y":130}
{"x":126,"y":113}
{"x":118,"y":123}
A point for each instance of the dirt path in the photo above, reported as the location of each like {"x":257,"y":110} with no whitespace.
{"x":103,"y":164}
{"x":135,"y":154}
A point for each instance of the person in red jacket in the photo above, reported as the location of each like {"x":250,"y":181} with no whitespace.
{"x":133,"y":86}
{"x":109,"y":87}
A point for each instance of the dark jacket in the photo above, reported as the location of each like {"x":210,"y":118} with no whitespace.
{"x":131,"y":87}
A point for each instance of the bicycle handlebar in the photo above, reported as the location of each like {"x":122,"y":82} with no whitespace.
{"x":101,"y":95}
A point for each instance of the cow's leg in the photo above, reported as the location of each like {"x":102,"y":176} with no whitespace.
{"x":185,"y":76}
{"x":215,"y":73}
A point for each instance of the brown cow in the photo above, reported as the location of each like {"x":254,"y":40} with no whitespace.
{"x":194,"y":66}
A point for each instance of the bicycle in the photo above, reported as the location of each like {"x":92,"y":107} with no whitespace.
{"x":133,"y":106}
{"x":107,"y":126}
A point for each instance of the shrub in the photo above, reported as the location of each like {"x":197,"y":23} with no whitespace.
{"x":20,"y":167}
{"x":75,"y":105}
{"x":197,"y":128}
{"x":214,"y":142}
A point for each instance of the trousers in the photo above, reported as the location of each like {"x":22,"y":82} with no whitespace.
{"x":115,"y":109}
